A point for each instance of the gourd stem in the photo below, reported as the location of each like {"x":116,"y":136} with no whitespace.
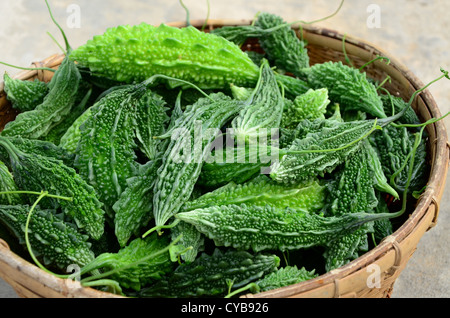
{"x":42,"y":195}
{"x":418,"y":138}
{"x":56,"y":42}
{"x":445,"y":74}
{"x":375,"y":59}
{"x":151,"y":79}
{"x":30,"y":68}
{"x":160,"y":227}
{"x":103,"y":282}
{"x":68,"y":48}
{"x":375,"y":127}
{"x":208,"y":10}
{"x":387,"y":79}
{"x":182,"y":252}
{"x":38,"y":193}
{"x":188,"y":19}
{"x":242,"y":289}
{"x":344,"y":50}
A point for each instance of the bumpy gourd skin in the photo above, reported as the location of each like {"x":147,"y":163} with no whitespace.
{"x":355,"y":189}
{"x":282,"y":277}
{"x":394,"y":104}
{"x":134,"y":53}
{"x":39,"y":147}
{"x":264,"y":111}
{"x":135,"y":268}
{"x":133,"y":210}
{"x":352,"y":191}
{"x":149,"y":121}
{"x":180,"y":169}
{"x":294,"y":168}
{"x":282,"y":46}
{"x":208,"y":275}
{"x":62,"y":96}
{"x":33,"y":172}
{"x":215,"y":174}
{"x":309,"y":196}
{"x":191,"y":242}
{"x":69,"y":141}
{"x":57,"y":242}
{"x":258,"y":228}
{"x":7,"y":184}
{"x":346,"y":86}
{"x":105,"y":155}
{"x":24,"y":95}
{"x":393,"y":146}
{"x":311,"y":105}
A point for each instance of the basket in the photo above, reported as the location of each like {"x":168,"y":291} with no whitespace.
{"x":390,"y":257}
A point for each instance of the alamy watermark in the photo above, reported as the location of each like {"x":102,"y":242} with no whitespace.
{"x":374,"y":279}
{"x":74,"y":16}
{"x":374,"y":18}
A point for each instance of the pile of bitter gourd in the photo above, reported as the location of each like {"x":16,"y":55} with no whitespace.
{"x":139,"y":162}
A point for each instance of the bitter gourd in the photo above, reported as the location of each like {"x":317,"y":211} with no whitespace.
{"x":393,"y":145}
{"x":39,"y":147}
{"x":33,"y":172}
{"x":37,"y":123}
{"x":179,"y":172}
{"x":352,"y":191}
{"x":7,"y":184}
{"x":283,"y":46}
{"x":131,"y":265}
{"x":133,"y":209}
{"x":282,"y":277}
{"x":309,"y":196}
{"x":314,"y":160}
{"x":382,"y":228}
{"x":69,"y":141}
{"x":134,"y":53}
{"x":209,"y":275}
{"x":394,"y":104}
{"x":347,"y":86}
{"x":82,"y":103}
{"x":53,"y":240}
{"x":105,"y":155}
{"x":258,"y":228}
{"x":236,"y":165}
{"x":355,"y":190}
{"x":150,"y":121}
{"x":265,"y":109}
{"x":320,"y":152}
{"x":24,"y":95}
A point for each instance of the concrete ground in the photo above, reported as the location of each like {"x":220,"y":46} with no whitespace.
{"x":415,"y":32}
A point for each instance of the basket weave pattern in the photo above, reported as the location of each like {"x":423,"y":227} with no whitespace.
{"x":390,"y":257}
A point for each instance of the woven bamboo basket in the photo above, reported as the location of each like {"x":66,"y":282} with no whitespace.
{"x":390,"y":257}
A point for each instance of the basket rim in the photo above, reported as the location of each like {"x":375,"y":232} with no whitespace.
{"x":426,"y":202}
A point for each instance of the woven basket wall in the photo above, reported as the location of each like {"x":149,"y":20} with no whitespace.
{"x":391,"y":255}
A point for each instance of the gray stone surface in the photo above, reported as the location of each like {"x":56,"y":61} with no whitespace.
{"x":415,"y":32}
